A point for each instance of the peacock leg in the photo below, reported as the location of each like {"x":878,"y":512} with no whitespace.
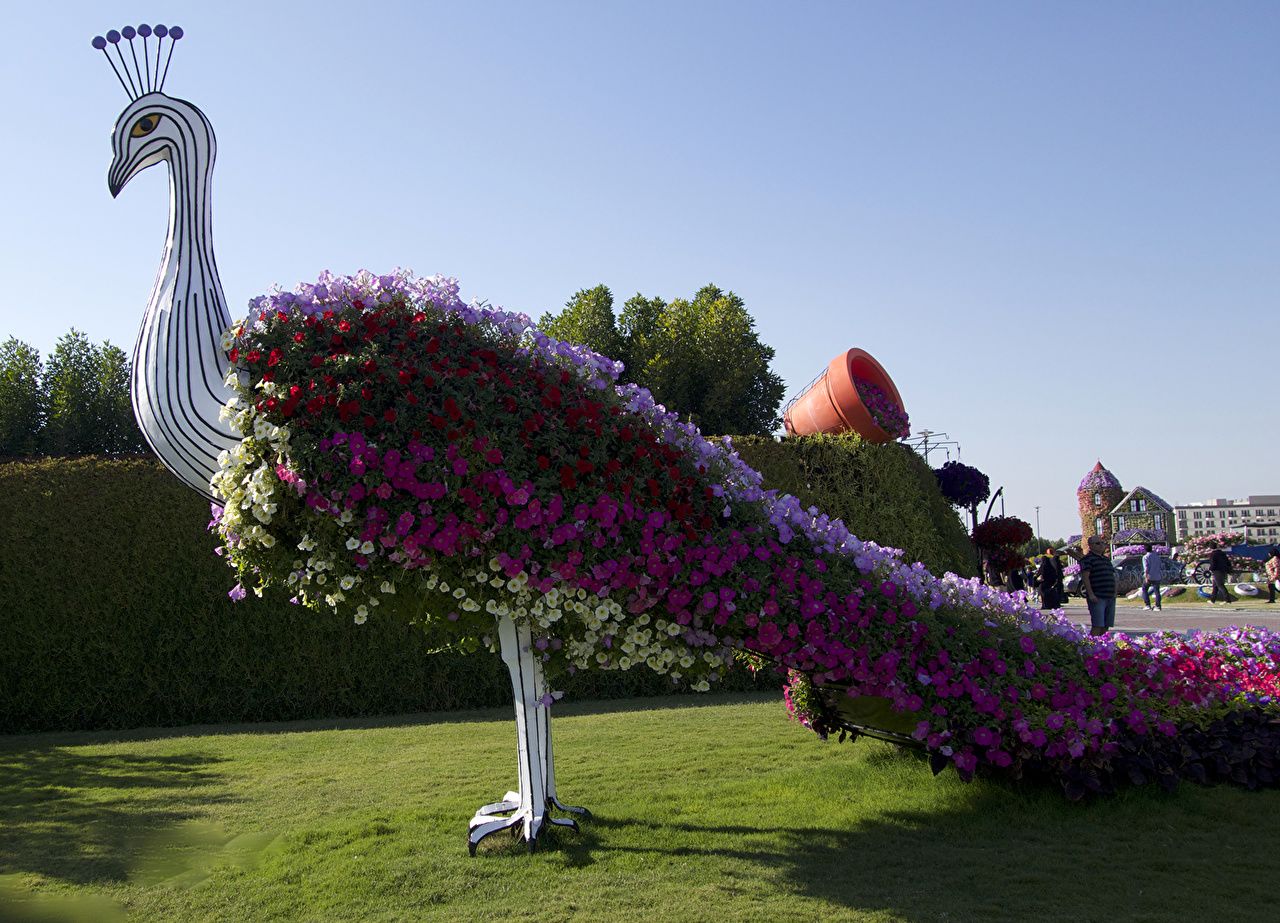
{"x":549,"y":758}
{"x":529,"y":808}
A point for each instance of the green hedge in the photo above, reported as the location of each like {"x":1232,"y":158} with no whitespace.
{"x":884,"y":493}
{"x":118,"y":616}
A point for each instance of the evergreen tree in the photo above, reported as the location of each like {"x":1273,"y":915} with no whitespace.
{"x":118,"y":432}
{"x":86,"y":396}
{"x":22,"y":409}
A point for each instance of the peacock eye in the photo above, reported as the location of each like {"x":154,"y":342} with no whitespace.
{"x":144,"y":126}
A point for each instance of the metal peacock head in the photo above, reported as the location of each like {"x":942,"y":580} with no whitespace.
{"x":154,"y":127}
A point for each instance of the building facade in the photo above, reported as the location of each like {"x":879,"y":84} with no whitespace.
{"x":1098,"y":494}
{"x":1141,"y":517}
{"x":1257,"y":516}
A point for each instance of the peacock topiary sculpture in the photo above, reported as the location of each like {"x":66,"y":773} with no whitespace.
{"x":380,"y":448}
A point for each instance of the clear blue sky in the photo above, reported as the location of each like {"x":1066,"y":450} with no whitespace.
{"x":1056,"y":225}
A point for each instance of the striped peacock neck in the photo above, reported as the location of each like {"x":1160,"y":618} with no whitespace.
{"x":179,"y":365}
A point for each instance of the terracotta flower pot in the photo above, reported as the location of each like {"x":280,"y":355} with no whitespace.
{"x":832,"y":405}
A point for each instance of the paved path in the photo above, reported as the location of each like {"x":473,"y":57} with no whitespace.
{"x":1183,"y":618}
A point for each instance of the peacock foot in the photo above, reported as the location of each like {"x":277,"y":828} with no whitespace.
{"x":510,"y":813}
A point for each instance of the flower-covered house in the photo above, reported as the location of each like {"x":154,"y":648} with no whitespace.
{"x":1141,"y":517}
{"x":1098,"y":494}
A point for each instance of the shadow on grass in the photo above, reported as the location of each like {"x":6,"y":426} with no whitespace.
{"x":86,"y":818}
{"x":997,"y":854}
{"x":563,"y":709}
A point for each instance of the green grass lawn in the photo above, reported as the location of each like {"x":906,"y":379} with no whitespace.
{"x":707,"y":808}
{"x":1191,"y":598}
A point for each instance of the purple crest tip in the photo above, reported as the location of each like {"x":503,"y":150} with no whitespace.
{"x":99,"y":42}
{"x":175,"y":32}
{"x":128,"y":32}
{"x":113,"y":37}
{"x":144,"y":30}
{"x":161,"y":31}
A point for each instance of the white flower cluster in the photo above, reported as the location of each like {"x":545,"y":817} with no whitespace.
{"x":248,"y":485}
{"x":245,"y":481}
{"x":604,"y":636}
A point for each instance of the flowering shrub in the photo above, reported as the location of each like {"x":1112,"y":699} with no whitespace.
{"x":1199,"y":546}
{"x":407,"y":453}
{"x":884,"y":410}
{"x":1139,"y":549}
{"x":962,"y":485}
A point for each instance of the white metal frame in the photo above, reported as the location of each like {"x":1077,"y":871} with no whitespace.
{"x":528,"y":809}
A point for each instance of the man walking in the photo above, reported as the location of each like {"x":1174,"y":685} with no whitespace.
{"x":1152,"y":574}
{"x":1098,"y":580}
{"x":1220,"y":567}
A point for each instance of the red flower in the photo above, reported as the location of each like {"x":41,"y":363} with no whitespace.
{"x":274,"y":357}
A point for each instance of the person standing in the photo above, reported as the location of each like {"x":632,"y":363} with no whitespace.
{"x":1016,"y":583}
{"x":1273,"y":573}
{"x":1098,"y":580}
{"x":1049,"y":580}
{"x":1152,"y":574}
{"x":1220,"y":567}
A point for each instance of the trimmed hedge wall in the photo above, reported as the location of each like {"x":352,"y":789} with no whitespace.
{"x":884,"y":492}
{"x":117,"y":612}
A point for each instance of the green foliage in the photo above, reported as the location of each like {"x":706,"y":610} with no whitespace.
{"x":22,"y":408}
{"x":76,"y":403}
{"x":884,"y":493}
{"x":700,"y":357}
{"x":1036,"y":546}
{"x":117,"y":616}
{"x":587,"y":319}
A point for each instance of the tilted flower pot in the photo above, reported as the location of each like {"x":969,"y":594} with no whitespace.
{"x":831,"y":404}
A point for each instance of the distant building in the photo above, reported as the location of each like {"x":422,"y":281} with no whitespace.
{"x":1257,"y":516}
{"x":1098,"y":494}
{"x":1141,"y":517}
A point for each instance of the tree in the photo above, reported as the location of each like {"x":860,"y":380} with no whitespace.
{"x":22,"y":409}
{"x":701,"y":357}
{"x":1035,"y":546}
{"x":587,"y":319}
{"x":70,"y":390}
{"x":86,"y":396}
{"x":118,"y":432}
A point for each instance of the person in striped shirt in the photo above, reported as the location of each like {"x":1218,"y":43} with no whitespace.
{"x":1098,"y":580}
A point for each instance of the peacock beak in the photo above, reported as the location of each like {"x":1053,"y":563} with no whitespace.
{"x":116,"y":180}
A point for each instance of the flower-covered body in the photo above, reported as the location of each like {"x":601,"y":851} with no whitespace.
{"x":406,"y":453}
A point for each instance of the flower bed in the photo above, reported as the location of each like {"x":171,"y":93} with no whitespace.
{"x":408,"y":454}
{"x":1138,"y":549}
{"x":884,"y":410}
